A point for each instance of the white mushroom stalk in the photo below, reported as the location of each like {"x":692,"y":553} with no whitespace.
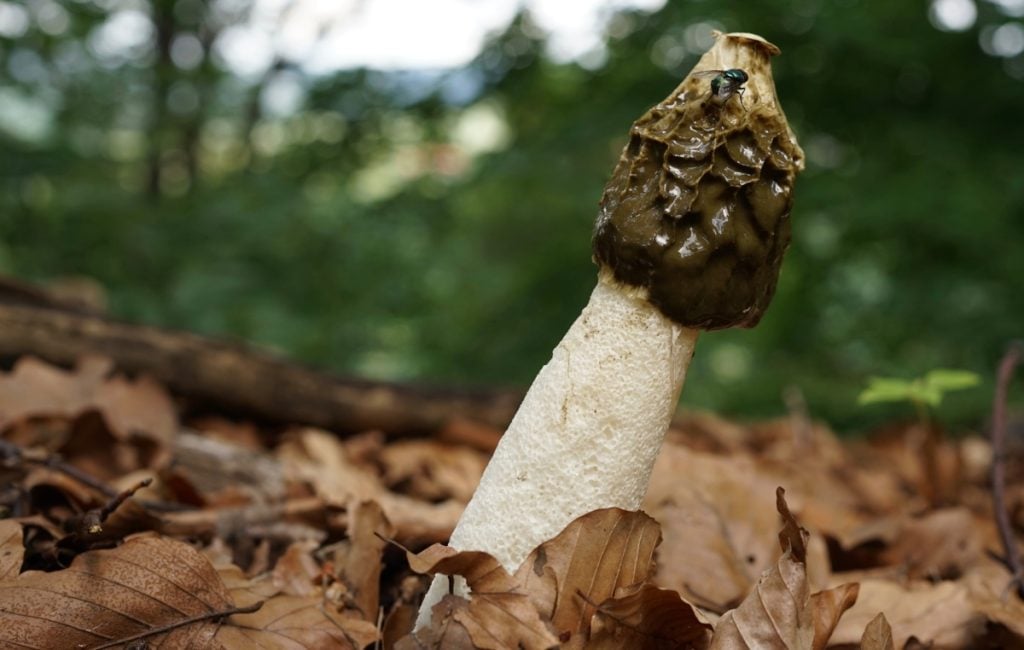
{"x":690,"y":236}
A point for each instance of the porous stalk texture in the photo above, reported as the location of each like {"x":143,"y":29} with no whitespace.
{"x":587,"y":434}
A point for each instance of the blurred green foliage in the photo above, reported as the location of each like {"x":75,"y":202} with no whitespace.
{"x":436,"y":227}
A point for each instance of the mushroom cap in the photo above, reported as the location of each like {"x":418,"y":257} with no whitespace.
{"x":697,"y":209}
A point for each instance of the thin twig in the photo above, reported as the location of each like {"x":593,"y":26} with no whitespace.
{"x":13,"y":455}
{"x":58,"y":464}
{"x":91,"y":521}
{"x":800,"y":419}
{"x":248,"y":609}
{"x":1003,"y":377}
{"x":121,"y":497}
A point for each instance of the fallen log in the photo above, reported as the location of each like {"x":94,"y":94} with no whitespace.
{"x":236,"y":377}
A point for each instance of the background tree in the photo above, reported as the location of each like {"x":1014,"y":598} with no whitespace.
{"x":434,"y":225}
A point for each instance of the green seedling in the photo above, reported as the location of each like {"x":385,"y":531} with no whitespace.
{"x":922,"y":392}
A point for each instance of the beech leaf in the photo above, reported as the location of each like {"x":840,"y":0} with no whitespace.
{"x":143,"y":585}
{"x":877,"y":635}
{"x":35,"y":388}
{"x":828,"y":606}
{"x":780,"y":612}
{"x":938,"y":614}
{"x":644,"y":617}
{"x":12,"y":549}
{"x":288,"y":621}
{"x":166,"y":593}
{"x":593,"y":556}
{"x":498,"y":615}
{"x":359,"y":560}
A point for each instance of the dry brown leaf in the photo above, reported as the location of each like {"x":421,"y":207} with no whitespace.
{"x":698,"y":557}
{"x":12,"y":549}
{"x":776,"y":614}
{"x":358,"y":559}
{"x":584,"y":564}
{"x":447,"y":633}
{"x":939,"y":544}
{"x":35,"y":388}
{"x":296,"y":622}
{"x":499,"y":615}
{"x":137,"y":406}
{"x":284,"y":621}
{"x":779,"y":612}
{"x":432,"y":471}
{"x":901,"y":450}
{"x":644,"y":617}
{"x":707,"y":431}
{"x":208,"y":471}
{"x":877,"y":635}
{"x":320,"y":460}
{"x":146,"y":583}
{"x":239,"y":433}
{"x":828,"y":606}
{"x":296,"y":572}
{"x":991,"y":592}
{"x":152,"y":584}
{"x":933,"y":613}
{"x":458,"y":430}
{"x":50,"y":488}
{"x":400,"y":620}
{"x":420,"y":522}
{"x":719,"y":524}
{"x":61,"y":497}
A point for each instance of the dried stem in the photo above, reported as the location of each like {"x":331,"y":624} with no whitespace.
{"x":91,"y":523}
{"x":1003,"y":377}
{"x":13,"y":455}
{"x":248,"y":609}
{"x":799,"y":418}
{"x":58,"y":464}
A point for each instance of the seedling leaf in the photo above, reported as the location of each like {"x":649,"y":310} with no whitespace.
{"x":928,"y":389}
{"x":944,"y":380}
{"x":885,"y":389}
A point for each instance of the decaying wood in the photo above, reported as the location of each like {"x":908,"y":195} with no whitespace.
{"x":239,"y":378}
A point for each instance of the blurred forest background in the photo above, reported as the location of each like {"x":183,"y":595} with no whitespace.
{"x":279,"y":172}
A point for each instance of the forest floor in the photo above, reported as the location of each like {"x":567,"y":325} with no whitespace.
{"x":127,"y":520}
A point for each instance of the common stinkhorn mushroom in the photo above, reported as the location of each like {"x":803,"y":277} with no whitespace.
{"x":690,"y":235}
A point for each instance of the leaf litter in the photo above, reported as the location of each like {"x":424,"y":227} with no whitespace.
{"x":128,"y":522}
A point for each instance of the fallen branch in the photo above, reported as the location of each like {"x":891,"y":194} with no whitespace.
{"x":241,"y":379}
{"x":1003,"y":377}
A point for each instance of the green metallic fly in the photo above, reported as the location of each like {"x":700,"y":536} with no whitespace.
{"x":725,"y":84}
